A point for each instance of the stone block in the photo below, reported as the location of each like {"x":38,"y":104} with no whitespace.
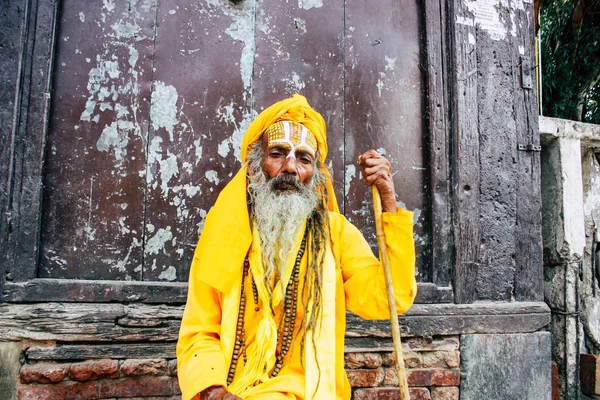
{"x":389,"y":393}
{"x":424,"y":344}
{"x":10,"y":353}
{"x":444,"y":393}
{"x":506,"y":366}
{"x":589,"y":374}
{"x":43,"y":373}
{"x":363,"y":360}
{"x":365,"y":377}
{"x":412,"y":359}
{"x":390,"y":377}
{"x":94,"y":370}
{"x":143,"y":367}
{"x":433,"y":377}
{"x":67,"y":390}
{"x":441,"y":359}
{"x":172,"y":367}
{"x":136,"y":386}
{"x":176,"y":388}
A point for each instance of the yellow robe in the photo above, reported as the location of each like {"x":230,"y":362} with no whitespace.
{"x":208,"y":326}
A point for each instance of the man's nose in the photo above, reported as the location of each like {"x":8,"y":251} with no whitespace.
{"x":291,"y":166}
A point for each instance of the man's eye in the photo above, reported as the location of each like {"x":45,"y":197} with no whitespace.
{"x":306,"y":160}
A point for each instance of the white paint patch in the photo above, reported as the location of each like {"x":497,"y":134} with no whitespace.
{"x":125,"y":30}
{"x":198,"y":152}
{"x":390,"y":63}
{"x":242,"y":29}
{"x":133,"y":56}
{"x":157,"y":242}
{"x":350,"y":174}
{"x":308,"y":4}
{"x":522,"y":50}
{"x":416,"y":216}
{"x":170,"y":274}
{"x":122,"y":263}
{"x":202,"y":215}
{"x":108,"y":5}
{"x":488,"y":18}
{"x":163,"y":111}
{"x":380,"y":86}
{"x":300,"y":24}
{"x":235,"y":140}
{"x":82,"y":17}
{"x":116,"y":136}
{"x":190,"y":190}
{"x":472,"y":40}
{"x":295,"y":83}
{"x":167,"y":166}
{"x":212,"y":177}
{"x":460,"y":20}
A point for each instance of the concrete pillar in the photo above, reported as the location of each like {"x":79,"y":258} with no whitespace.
{"x":563,"y":232}
{"x":508,"y":367}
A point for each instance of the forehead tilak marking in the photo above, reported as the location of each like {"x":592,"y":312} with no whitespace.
{"x":294,"y":137}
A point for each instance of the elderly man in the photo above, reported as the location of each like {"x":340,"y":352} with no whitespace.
{"x":277,"y":266}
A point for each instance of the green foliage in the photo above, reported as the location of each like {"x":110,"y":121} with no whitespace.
{"x":570,"y":43}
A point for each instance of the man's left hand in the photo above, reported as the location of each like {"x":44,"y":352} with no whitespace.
{"x":378,"y":170}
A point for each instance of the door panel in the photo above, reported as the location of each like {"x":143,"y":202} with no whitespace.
{"x":384,"y":101}
{"x":151,"y":101}
{"x":200,"y":101}
{"x":94,"y":186}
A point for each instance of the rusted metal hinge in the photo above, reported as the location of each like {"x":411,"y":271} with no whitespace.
{"x":529,"y":147}
{"x":526,"y":81}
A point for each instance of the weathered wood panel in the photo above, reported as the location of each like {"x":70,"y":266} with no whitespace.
{"x":528,"y":251}
{"x":498,"y":170}
{"x":466,"y":181}
{"x":12,"y":43}
{"x":99,"y":291}
{"x":66,"y":290}
{"x":94,"y":171}
{"x":439,"y":142}
{"x":96,"y":324}
{"x":74,"y":322}
{"x":455,"y":319}
{"x":299,"y":49}
{"x":201,"y":107}
{"x":97,"y":351}
{"x":384,"y":107}
{"x":30,"y":138}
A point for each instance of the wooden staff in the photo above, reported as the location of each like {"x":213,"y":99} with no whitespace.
{"x":402,"y":383}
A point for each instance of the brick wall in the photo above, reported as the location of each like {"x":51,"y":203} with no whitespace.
{"x":432,"y":368}
{"x":99,"y":379}
{"x":432,"y":372}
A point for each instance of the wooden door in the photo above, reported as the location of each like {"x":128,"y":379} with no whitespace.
{"x":150,"y":100}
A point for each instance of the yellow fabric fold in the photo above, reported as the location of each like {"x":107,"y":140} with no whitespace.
{"x":207,"y":334}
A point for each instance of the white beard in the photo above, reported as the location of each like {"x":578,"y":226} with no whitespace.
{"x":279,"y":217}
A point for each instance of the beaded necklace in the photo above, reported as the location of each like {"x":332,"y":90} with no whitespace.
{"x":288,"y":318}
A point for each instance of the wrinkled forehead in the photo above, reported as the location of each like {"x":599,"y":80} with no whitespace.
{"x":291,"y":135}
